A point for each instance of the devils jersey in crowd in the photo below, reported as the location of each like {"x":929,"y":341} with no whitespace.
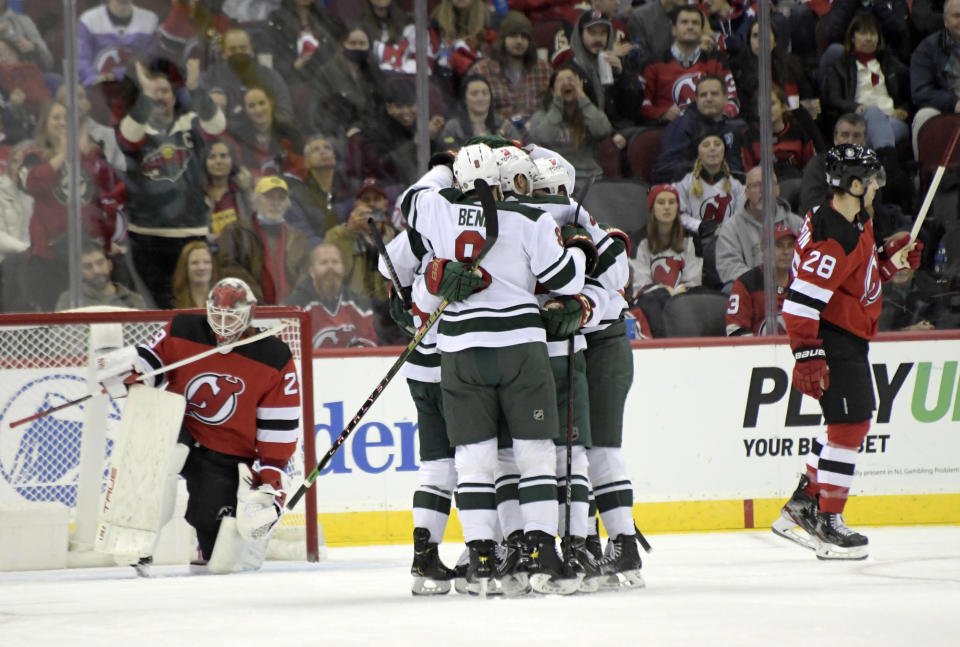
{"x":243,"y":403}
{"x":671,"y":82}
{"x":746,"y":314}
{"x":836,"y":276}
{"x":346,"y":323}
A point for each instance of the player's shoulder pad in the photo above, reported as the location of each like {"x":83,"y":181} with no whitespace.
{"x":453,"y":194}
{"x":547,"y":199}
{"x":527,"y":211}
{"x":269,"y":351}
{"x":827,"y":224}
{"x":192,"y":328}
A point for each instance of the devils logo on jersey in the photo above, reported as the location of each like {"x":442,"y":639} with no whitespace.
{"x":716,"y":208}
{"x":212,"y":397}
{"x":872,"y":288}
{"x":667,"y":270}
{"x":685,"y":89}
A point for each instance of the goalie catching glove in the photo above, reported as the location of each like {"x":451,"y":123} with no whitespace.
{"x":579,"y":237}
{"x":453,"y":280}
{"x":118,"y":369}
{"x":811,"y":375}
{"x":260,"y":507}
{"x":564,"y":316}
{"x":896,"y":255}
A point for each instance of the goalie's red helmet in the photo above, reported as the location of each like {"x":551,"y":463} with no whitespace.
{"x":229,"y":308}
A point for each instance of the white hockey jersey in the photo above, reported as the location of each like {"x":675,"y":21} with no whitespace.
{"x":713,"y":205}
{"x":528,"y":251}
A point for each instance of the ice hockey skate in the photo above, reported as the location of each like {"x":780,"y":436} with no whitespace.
{"x":798,"y":518}
{"x":482,"y":568}
{"x":836,"y":541}
{"x":512,"y":566}
{"x":547,"y":572}
{"x":577,"y":559}
{"x":430,"y":576}
{"x":621,"y":565}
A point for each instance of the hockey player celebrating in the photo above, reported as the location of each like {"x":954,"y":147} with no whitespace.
{"x":493,"y":353}
{"x":241,"y":418}
{"x":609,"y":375}
{"x":831,"y":313}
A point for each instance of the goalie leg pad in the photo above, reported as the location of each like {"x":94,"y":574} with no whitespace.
{"x":134,"y":505}
{"x":232,"y":553}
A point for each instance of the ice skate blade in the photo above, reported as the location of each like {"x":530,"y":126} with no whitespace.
{"x":632,"y":580}
{"x":485,"y":587}
{"x":787,"y":528}
{"x":428,"y":586}
{"x":591,"y":584}
{"x":547,"y":584}
{"x":515,"y":584}
{"x":199,"y":568}
{"x":460,"y":585}
{"x":605,"y":582}
{"x":830,"y":552}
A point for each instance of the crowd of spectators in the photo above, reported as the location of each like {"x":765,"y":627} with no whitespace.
{"x":258,"y":138}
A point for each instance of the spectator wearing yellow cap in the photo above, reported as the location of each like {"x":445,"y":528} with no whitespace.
{"x":263,"y":250}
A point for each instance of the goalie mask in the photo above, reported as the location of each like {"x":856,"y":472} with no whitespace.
{"x":551,"y":176}
{"x":513,"y":162}
{"x":476,"y":162}
{"x":229,"y":308}
{"x":846,"y":162}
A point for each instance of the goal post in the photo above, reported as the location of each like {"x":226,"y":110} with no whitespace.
{"x":46,"y":359}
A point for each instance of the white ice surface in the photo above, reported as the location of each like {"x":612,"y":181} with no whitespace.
{"x":739,"y":588}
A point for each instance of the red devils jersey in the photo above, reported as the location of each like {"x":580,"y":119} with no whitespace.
{"x":346,"y":325}
{"x":243,"y":403}
{"x":836,"y":276}
{"x":668,"y":83}
{"x":746,"y":310}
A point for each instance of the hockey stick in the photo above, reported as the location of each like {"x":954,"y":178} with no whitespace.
{"x":378,"y":239}
{"x":140,"y":378}
{"x":934,"y":185}
{"x":492,"y":230}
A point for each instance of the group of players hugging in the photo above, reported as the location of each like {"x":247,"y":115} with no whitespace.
{"x":520,"y":388}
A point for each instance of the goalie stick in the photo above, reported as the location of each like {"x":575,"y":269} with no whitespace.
{"x":378,"y":239}
{"x":492,"y":230}
{"x":140,"y":378}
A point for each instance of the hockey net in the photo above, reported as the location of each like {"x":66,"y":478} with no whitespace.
{"x":64,"y":457}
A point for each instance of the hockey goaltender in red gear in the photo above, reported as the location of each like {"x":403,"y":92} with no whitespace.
{"x":241,"y":423}
{"x":831,"y":313}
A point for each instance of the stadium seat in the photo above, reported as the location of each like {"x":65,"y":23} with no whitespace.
{"x":643,"y":149}
{"x":619,"y":202}
{"x":695,"y":314}
{"x":932,"y":141}
{"x":609,"y":157}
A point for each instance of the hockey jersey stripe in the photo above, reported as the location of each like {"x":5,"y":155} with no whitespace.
{"x":491,"y":312}
{"x":490,"y":324}
{"x":798,"y":310}
{"x":812,"y":291}
{"x":280,"y":436}
{"x":558,"y":279}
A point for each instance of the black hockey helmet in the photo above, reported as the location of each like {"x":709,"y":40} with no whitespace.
{"x":844,"y":162}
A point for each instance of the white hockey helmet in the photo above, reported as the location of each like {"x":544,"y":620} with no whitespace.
{"x":229,"y":308}
{"x":513,"y":162}
{"x":551,"y":175}
{"x":475,"y":162}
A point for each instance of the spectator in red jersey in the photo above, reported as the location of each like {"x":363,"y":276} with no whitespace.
{"x":43,"y":175}
{"x":227,"y":187}
{"x":264,"y":251}
{"x":671,"y":82}
{"x":739,"y":239}
{"x":517,"y":78}
{"x":666,"y":262}
{"x":793,"y":147}
{"x":194,"y":276}
{"x":571,"y":124}
{"x":190,"y":29}
{"x":268,"y":143}
{"x":339,"y":318}
{"x":746,"y":314}
{"x":21,"y":81}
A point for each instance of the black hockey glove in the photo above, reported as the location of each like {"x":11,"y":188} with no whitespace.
{"x":564,"y":316}
{"x":579,"y":237}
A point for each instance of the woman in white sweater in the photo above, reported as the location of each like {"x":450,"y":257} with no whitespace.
{"x":665,"y":258}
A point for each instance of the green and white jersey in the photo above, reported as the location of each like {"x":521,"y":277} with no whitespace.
{"x":528,"y":251}
{"x":423,"y":364}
